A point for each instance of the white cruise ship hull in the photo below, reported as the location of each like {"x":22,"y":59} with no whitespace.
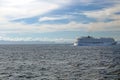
{"x":94,"y":44}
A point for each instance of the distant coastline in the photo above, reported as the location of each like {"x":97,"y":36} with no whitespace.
{"x":26,"y":42}
{"x":37,"y":42}
{"x":32,"y":42}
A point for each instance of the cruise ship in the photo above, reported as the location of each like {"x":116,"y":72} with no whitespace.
{"x":91,"y":41}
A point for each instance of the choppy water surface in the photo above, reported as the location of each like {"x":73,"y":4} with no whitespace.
{"x":59,"y":62}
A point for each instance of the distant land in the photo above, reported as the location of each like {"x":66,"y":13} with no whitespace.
{"x":26,"y":42}
{"x":31,"y":42}
{"x":36,"y":42}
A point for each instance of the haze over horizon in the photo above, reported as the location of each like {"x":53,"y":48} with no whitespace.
{"x":58,"y":20}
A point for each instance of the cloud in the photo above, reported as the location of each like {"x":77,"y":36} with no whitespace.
{"x":105,"y":26}
{"x":20,"y":28}
{"x":106,"y":13}
{"x":39,"y":28}
{"x":102,"y":15}
{"x":16,"y":9}
{"x":71,"y":26}
{"x":54,"y":18}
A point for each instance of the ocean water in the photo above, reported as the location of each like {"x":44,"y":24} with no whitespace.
{"x":59,"y":62}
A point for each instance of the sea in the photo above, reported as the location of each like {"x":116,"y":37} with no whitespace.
{"x":59,"y":62}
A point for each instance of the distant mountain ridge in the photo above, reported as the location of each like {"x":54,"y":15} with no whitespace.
{"x":26,"y":42}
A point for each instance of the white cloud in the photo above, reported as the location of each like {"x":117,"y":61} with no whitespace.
{"x":54,"y":18}
{"x":106,"y":13}
{"x":15,"y":9}
{"x":72,"y":26}
{"x":20,"y":28}
{"x":105,"y":26}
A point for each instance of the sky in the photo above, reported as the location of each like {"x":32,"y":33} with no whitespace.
{"x":58,"y":20}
